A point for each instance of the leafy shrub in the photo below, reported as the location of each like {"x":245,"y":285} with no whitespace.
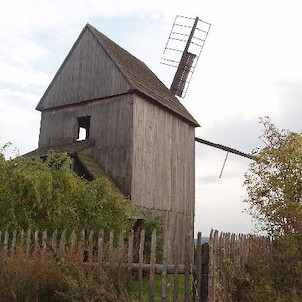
{"x":44,"y":276}
{"x":46,"y":194}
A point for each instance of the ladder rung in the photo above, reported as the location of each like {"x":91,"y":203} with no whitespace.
{"x":178,"y":39}
{"x":168,"y":64}
{"x":173,"y":49}
{"x":174,"y":32}
{"x":170,"y":60}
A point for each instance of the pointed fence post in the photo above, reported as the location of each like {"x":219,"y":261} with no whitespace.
{"x":100,"y":247}
{"x":198,"y":263}
{"x":62,"y":243}
{"x":13,"y":246}
{"x":176,"y":267}
{"x":164,"y":267}
{"x":44,"y":241}
{"x":90,"y":251}
{"x":28,"y":240}
{"x":152,"y":266}
{"x":130,"y":258}
{"x":140,"y":268}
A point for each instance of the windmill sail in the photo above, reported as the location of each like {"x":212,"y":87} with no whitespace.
{"x":183,"y":48}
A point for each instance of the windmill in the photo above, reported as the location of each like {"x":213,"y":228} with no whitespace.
{"x":182,"y":51}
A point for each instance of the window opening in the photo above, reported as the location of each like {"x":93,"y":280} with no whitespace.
{"x":83,"y":128}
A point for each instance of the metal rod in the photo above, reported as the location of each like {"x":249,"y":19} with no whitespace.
{"x":224,"y":164}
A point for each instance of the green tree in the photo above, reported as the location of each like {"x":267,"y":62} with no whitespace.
{"x":274,"y":181}
{"x":46,"y":194}
{"x":274,"y":195}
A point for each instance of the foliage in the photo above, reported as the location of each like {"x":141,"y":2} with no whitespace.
{"x":46,"y":194}
{"x":274,"y":187}
{"x":150,"y":223}
{"x":270,"y":274}
{"x":47,"y":277}
{"x":274,"y":182}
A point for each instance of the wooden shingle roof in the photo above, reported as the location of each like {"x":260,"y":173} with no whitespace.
{"x":140,"y":76}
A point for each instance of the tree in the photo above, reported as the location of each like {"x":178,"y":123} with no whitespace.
{"x":46,"y":194}
{"x":274,"y":195}
{"x":274,"y":181}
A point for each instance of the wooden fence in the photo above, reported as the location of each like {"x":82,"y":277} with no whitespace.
{"x":200,"y":278}
{"x":143,"y":264}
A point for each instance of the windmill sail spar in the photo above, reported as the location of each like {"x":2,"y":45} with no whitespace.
{"x":182,"y":51}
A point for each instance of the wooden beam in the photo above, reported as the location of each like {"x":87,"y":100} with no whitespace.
{"x":225,"y":148}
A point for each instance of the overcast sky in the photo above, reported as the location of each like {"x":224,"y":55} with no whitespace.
{"x":250,"y":67}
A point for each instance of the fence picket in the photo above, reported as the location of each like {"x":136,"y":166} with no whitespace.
{"x":140,"y":268}
{"x":13,"y":245}
{"x":208,"y":267}
{"x":164,"y":268}
{"x":198,"y":263}
{"x":187,"y":267}
{"x":111,"y":241}
{"x":73,"y":240}
{"x":5,"y":242}
{"x":100,"y":247}
{"x":28,"y":240}
{"x":152,"y":265}
{"x":54,"y":241}
{"x":176,"y":265}
{"x":62,"y":243}
{"x":44,"y":240}
{"x":130,"y":258}
{"x":90,"y":250}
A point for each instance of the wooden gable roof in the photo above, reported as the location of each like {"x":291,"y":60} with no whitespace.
{"x":138,"y":79}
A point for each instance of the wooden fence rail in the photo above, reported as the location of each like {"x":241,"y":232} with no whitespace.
{"x":99,"y":248}
{"x":201,"y":275}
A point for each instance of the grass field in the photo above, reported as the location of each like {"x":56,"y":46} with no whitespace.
{"x":157,"y":290}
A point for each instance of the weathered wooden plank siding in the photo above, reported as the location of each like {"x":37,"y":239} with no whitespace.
{"x":163,"y":145}
{"x":87,"y":73}
{"x":110,"y":127}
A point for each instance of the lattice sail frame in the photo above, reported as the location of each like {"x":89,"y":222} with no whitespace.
{"x":184,"y":46}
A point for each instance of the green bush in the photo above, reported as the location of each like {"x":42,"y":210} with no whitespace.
{"x":46,"y":277}
{"x":46,"y":194}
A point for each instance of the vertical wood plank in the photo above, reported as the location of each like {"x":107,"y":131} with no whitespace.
{"x":54,"y":241}
{"x":81,"y":242}
{"x":111,"y":240}
{"x":90,"y":251}
{"x":62,"y":243}
{"x":44,"y":241}
{"x":176,"y":266}
{"x":211,"y":267}
{"x":5,"y":242}
{"x":187,"y":267}
{"x":28,"y":241}
{"x":164,"y":269}
{"x":198,"y":263}
{"x":22,"y":234}
{"x":73,"y":240}
{"x":13,"y":245}
{"x":100,"y":247}
{"x":141,"y":263}
{"x":152,"y":266}
{"x":121,"y":243}
{"x":130,"y":258}
{"x":36,"y":236}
